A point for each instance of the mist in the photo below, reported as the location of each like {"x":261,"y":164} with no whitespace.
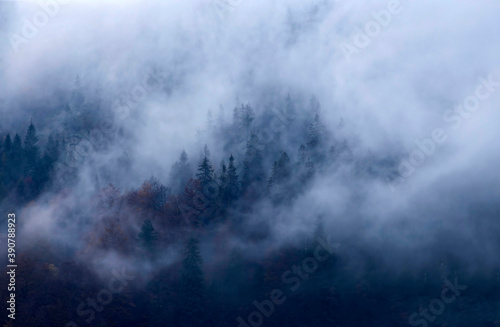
{"x":410,"y":86}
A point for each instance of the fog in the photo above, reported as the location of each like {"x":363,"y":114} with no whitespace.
{"x":397,"y":89}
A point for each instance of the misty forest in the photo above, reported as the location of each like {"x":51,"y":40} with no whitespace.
{"x":237,"y":163}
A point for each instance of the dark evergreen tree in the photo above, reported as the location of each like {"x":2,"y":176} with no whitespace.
{"x":301,"y":155}
{"x":271,"y":181}
{"x":222,"y":181}
{"x":153,"y":195}
{"x":304,"y":165}
{"x":253,"y":168}
{"x":284,"y":168}
{"x":7,"y":144}
{"x":209,"y":191}
{"x":233,"y":184}
{"x":278,"y":184}
{"x":16,"y":159}
{"x":191,"y":308}
{"x":6,"y":172}
{"x":315,"y":133}
{"x":148,"y":237}
{"x":228,"y":183}
{"x":243,"y":116}
{"x":180,"y":173}
{"x":205,"y":153}
{"x":160,"y":305}
{"x":205,"y":173}
{"x":52,"y":149}
{"x":248,"y":116}
{"x":314,"y":106}
{"x":31,"y":150}
{"x":317,"y":140}
{"x":45,"y":168}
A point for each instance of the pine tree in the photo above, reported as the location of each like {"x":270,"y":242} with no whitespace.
{"x":205,"y":173}
{"x":278,"y":185}
{"x":17,"y":158}
{"x":222,"y":181}
{"x":205,"y":152}
{"x":301,"y":155}
{"x":6,"y":161}
{"x":46,"y":165}
{"x":52,"y":150}
{"x":284,"y":168}
{"x":253,"y":169}
{"x":313,"y":136}
{"x":304,"y":166}
{"x":233,"y":185}
{"x":190,"y":311}
{"x":248,"y":116}
{"x":180,"y":173}
{"x":7,"y":144}
{"x":243,"y":116}
{"x":272,"y":178}
{"x":148,"y":237}
{"x":229,"y":184}
{"x":314,"y":106}
{"x":317,"y":140}
{"x":31,"y":150}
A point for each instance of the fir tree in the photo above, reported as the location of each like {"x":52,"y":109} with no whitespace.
{"x":272,"y":178}
{"x":205,"y":173}
{"x":7,"y":144}
{"x":205,"y":152}
{"x":148,"y":237}
{"x":180,"y":173}
{"x":45,"y":168}
{"x":31,"y":150}
{"x":222,"y":179}
{"x":233,"y":185}
{"x":314,"y":133}
{"x":253,"y":169}
{"x":283,"y":168}
{"x":6,"y":160}
{"x":190,"y":311}
{"x":248,"y":116}
{"x":17,"y":158}
{"x":229,"y":184}
{"x":243,"y":116}
{"x":278,"y":185}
